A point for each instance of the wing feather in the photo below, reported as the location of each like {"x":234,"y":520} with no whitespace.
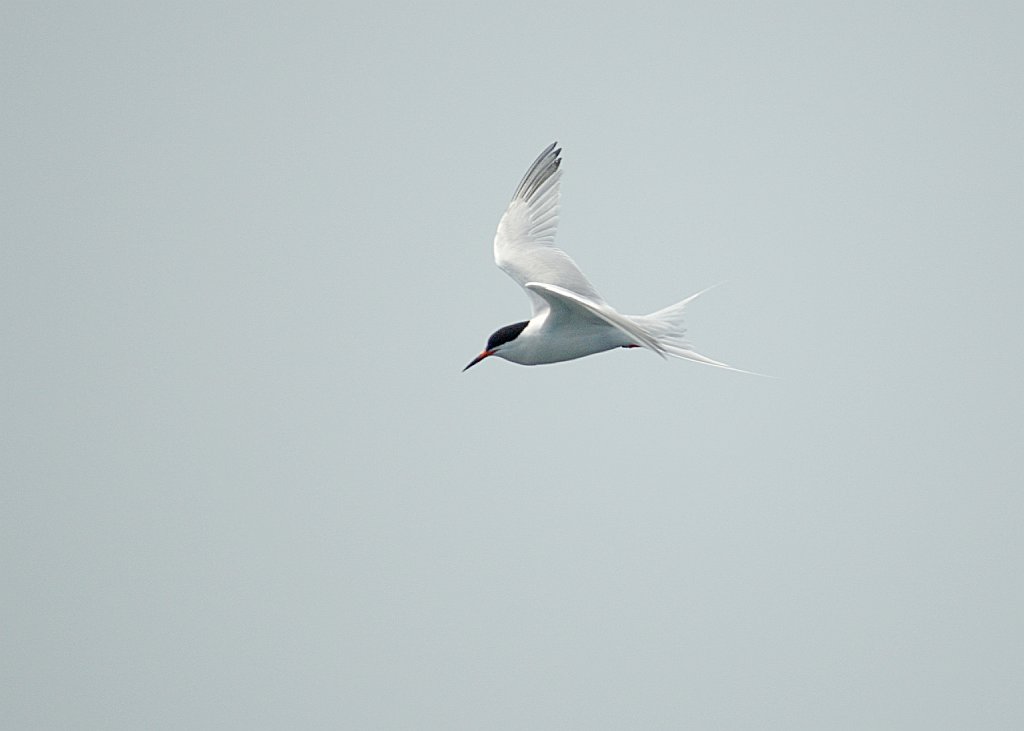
{"x":564,"y":303}
{"x":524,"y":245}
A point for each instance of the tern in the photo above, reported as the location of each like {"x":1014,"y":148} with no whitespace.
{"x":570,"y":319}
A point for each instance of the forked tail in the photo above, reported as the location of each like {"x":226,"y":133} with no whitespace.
{"x":665,"y":327}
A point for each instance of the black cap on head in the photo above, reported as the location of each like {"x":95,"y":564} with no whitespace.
{"x":506,"y":334}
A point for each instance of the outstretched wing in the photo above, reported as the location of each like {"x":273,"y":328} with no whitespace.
{"x":524,"y":246}
{"x":660,"y":331}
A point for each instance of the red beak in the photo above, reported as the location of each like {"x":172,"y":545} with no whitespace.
{"x":478,"y":359}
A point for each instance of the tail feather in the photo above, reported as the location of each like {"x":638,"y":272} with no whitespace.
{"x":665,"y":327}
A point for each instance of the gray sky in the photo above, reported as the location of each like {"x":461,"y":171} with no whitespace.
{"x":246,"y":252}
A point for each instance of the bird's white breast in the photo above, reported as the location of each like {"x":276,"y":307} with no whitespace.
{"x":538,"y":344}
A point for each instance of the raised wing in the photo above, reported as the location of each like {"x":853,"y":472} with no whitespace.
{"x":569,"y":305}
{"x":524,"y":246}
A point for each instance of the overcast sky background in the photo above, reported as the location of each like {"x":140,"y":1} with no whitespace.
{"x":246,"y":250}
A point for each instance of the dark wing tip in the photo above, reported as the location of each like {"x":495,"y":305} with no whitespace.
{"x":546,"y":164}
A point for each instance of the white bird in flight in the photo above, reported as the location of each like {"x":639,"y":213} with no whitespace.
{"x":570,"y":319}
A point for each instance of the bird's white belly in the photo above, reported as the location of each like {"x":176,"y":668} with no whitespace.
{"x":555,"y":347}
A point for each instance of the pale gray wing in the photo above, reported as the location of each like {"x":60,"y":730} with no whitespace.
{"x":659,"y":331}
{"x":524,"y":246}
{"x":567,"y":306}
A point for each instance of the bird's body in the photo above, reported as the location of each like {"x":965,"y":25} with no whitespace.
{"x":538,"y":344}
{"x":570,"y":319}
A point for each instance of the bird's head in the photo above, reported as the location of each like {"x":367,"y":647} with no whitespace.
{"x":500,"y":340}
